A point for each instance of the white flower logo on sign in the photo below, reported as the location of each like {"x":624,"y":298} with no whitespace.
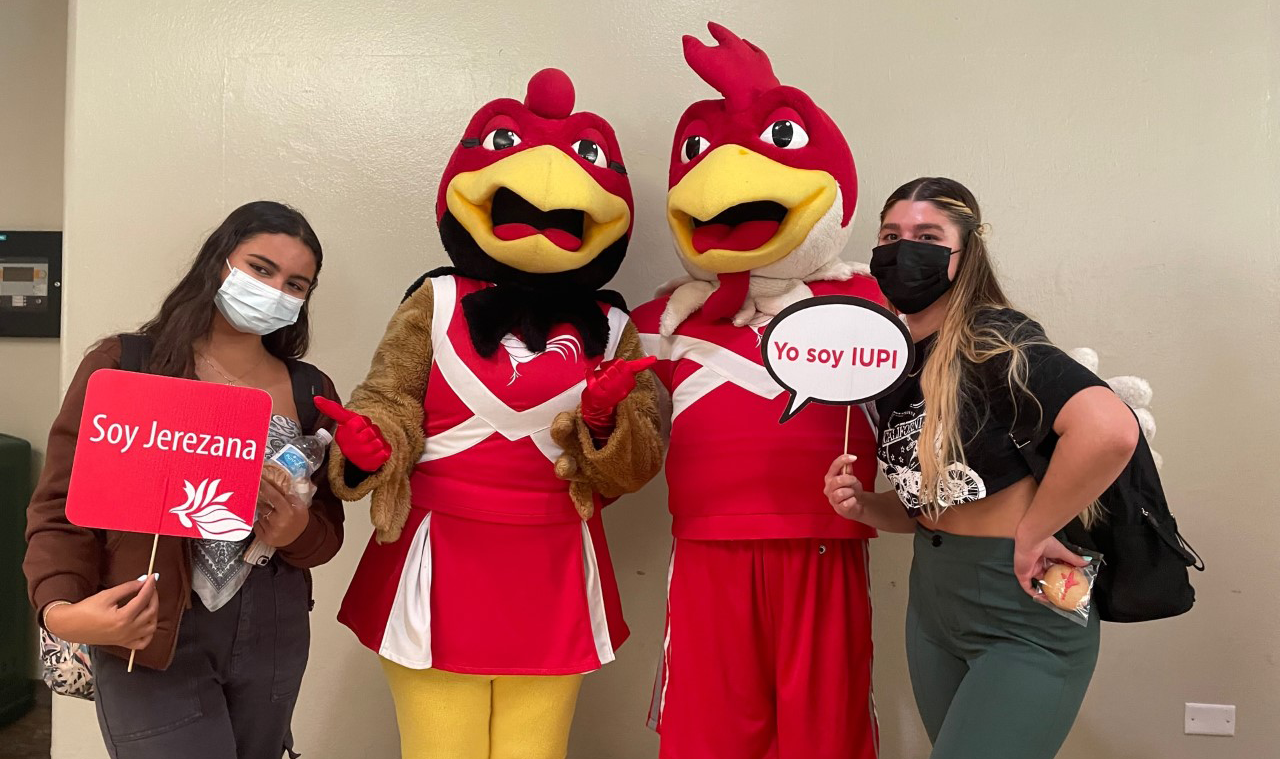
{"x":565,"y":346}
{"x":206,"y":508}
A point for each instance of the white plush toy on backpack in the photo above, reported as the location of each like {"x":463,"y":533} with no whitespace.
{"x":1134,"y":391}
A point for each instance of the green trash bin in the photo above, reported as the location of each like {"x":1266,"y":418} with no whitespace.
{"x":17,"y":652}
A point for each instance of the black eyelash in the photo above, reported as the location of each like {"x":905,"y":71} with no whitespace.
{"x":618,"y":168}
{"x":470,"y":142}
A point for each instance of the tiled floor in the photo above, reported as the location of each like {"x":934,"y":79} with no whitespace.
{"x":28,"y":738}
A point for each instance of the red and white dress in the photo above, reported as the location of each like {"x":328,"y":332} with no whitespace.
{"x":767,"y":650}
{"x":495,"y":573}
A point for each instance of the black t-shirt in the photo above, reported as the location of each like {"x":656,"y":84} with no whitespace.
{"x":987,"y":414}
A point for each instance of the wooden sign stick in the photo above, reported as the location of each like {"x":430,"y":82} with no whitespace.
{"x":151,"y":568}
{"x":848,"y":420}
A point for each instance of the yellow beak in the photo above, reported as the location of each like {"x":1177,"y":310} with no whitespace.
{"x":732,"y":175}
{"x":551,"y":181}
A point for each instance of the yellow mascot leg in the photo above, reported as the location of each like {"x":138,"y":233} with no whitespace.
{"x":532,"y":716}
{"x":442,"y":715}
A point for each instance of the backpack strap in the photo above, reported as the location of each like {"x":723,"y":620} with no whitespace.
{"x":1168,"y":532}
{"x":1035,"y":442}
{"x":1030,"y":438}
{"x":308,"y":382}
{"x":1142,"y":476}
{"x":135,"y":352}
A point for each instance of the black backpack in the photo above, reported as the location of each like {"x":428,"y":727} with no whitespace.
{"x":307,"y":381}
{"x":1144,"y":558}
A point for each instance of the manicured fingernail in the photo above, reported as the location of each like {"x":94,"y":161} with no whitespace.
{"x":157,"y":576}
{"x":142,"y":578}
{"x":1088,"y":559}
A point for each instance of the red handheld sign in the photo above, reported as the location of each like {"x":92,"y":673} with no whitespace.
{"x":168,"y":456}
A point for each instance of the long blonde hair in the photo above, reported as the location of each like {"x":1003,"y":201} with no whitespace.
{"x":948,"y":381}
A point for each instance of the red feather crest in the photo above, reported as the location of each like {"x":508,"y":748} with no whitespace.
{"x":736,"y":68}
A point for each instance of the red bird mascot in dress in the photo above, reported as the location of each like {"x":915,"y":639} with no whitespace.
{"x":508,"y":399}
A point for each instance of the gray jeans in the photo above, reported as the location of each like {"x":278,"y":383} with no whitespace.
{"x":231,"y":689}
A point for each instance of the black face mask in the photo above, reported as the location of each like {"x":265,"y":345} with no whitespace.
{"x":912,"y":275}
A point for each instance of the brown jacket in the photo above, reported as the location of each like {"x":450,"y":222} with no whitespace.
{"x":66,"y":562}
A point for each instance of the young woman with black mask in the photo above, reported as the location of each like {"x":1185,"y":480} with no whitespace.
{"x":996,"y":673}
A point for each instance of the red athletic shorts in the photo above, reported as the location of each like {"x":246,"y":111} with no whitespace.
{"x":768,"y":652}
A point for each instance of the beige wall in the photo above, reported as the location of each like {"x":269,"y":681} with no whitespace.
{"x":33,"y":55}
{"x":1126,"y":155}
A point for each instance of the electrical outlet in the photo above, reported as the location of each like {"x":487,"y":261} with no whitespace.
{"x":1210,"y":719}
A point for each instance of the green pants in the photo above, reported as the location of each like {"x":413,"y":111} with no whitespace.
{"x":996,"y":675}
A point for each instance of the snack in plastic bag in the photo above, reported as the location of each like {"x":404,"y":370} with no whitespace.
{"x":1068,"y":590}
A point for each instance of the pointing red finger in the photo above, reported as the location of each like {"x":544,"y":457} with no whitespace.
{"x":607,"y":386}
{"x":357,"y":436}
{"x":334,"y":410}
{"x":640,"y":364}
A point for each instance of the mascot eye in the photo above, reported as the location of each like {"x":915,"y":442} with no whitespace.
{"x":785,"y":134}
{"x":501,"y":139}
{"x":591,"y":152}
{"x":693,"y":147}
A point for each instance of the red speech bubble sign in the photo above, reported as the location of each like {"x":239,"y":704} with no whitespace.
{"x":838,"y":350}
{"x":168,"y":456}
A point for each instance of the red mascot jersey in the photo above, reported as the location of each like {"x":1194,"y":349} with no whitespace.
{"x":734,"y":471}
{"x":476,"y":582}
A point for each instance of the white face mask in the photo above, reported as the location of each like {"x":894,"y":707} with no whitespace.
{"x":254,"y":306}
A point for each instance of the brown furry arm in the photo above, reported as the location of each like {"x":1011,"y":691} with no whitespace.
{"x":633,"y":453}
{"x":392,"y":395}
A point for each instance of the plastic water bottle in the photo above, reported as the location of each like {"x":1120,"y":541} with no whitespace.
{"x":299,"y":458}
{"x":302,"y":456}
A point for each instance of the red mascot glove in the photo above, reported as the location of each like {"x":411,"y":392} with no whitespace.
{"x":607,"y":386}
{"x":358,"y":437}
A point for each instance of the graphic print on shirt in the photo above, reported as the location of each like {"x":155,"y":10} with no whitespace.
{"x":899,"y":457}
{"x":567,"y":347}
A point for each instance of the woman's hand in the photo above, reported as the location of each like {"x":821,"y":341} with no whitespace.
{"x":1031,"y":558}
{"x":282,"y":518}
{"x":121,"y":616}
{"x":844,"y":491}
{"x":883,"y":511}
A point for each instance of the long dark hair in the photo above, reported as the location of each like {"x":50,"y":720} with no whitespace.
{"x":187,"y":312}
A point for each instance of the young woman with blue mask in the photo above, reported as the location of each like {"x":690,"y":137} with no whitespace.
{"x":996,"y":674}
{"x":221,"y":643}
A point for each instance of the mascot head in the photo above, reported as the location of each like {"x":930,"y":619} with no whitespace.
{"x":761,"y":180}
{"x":535,"y":200}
